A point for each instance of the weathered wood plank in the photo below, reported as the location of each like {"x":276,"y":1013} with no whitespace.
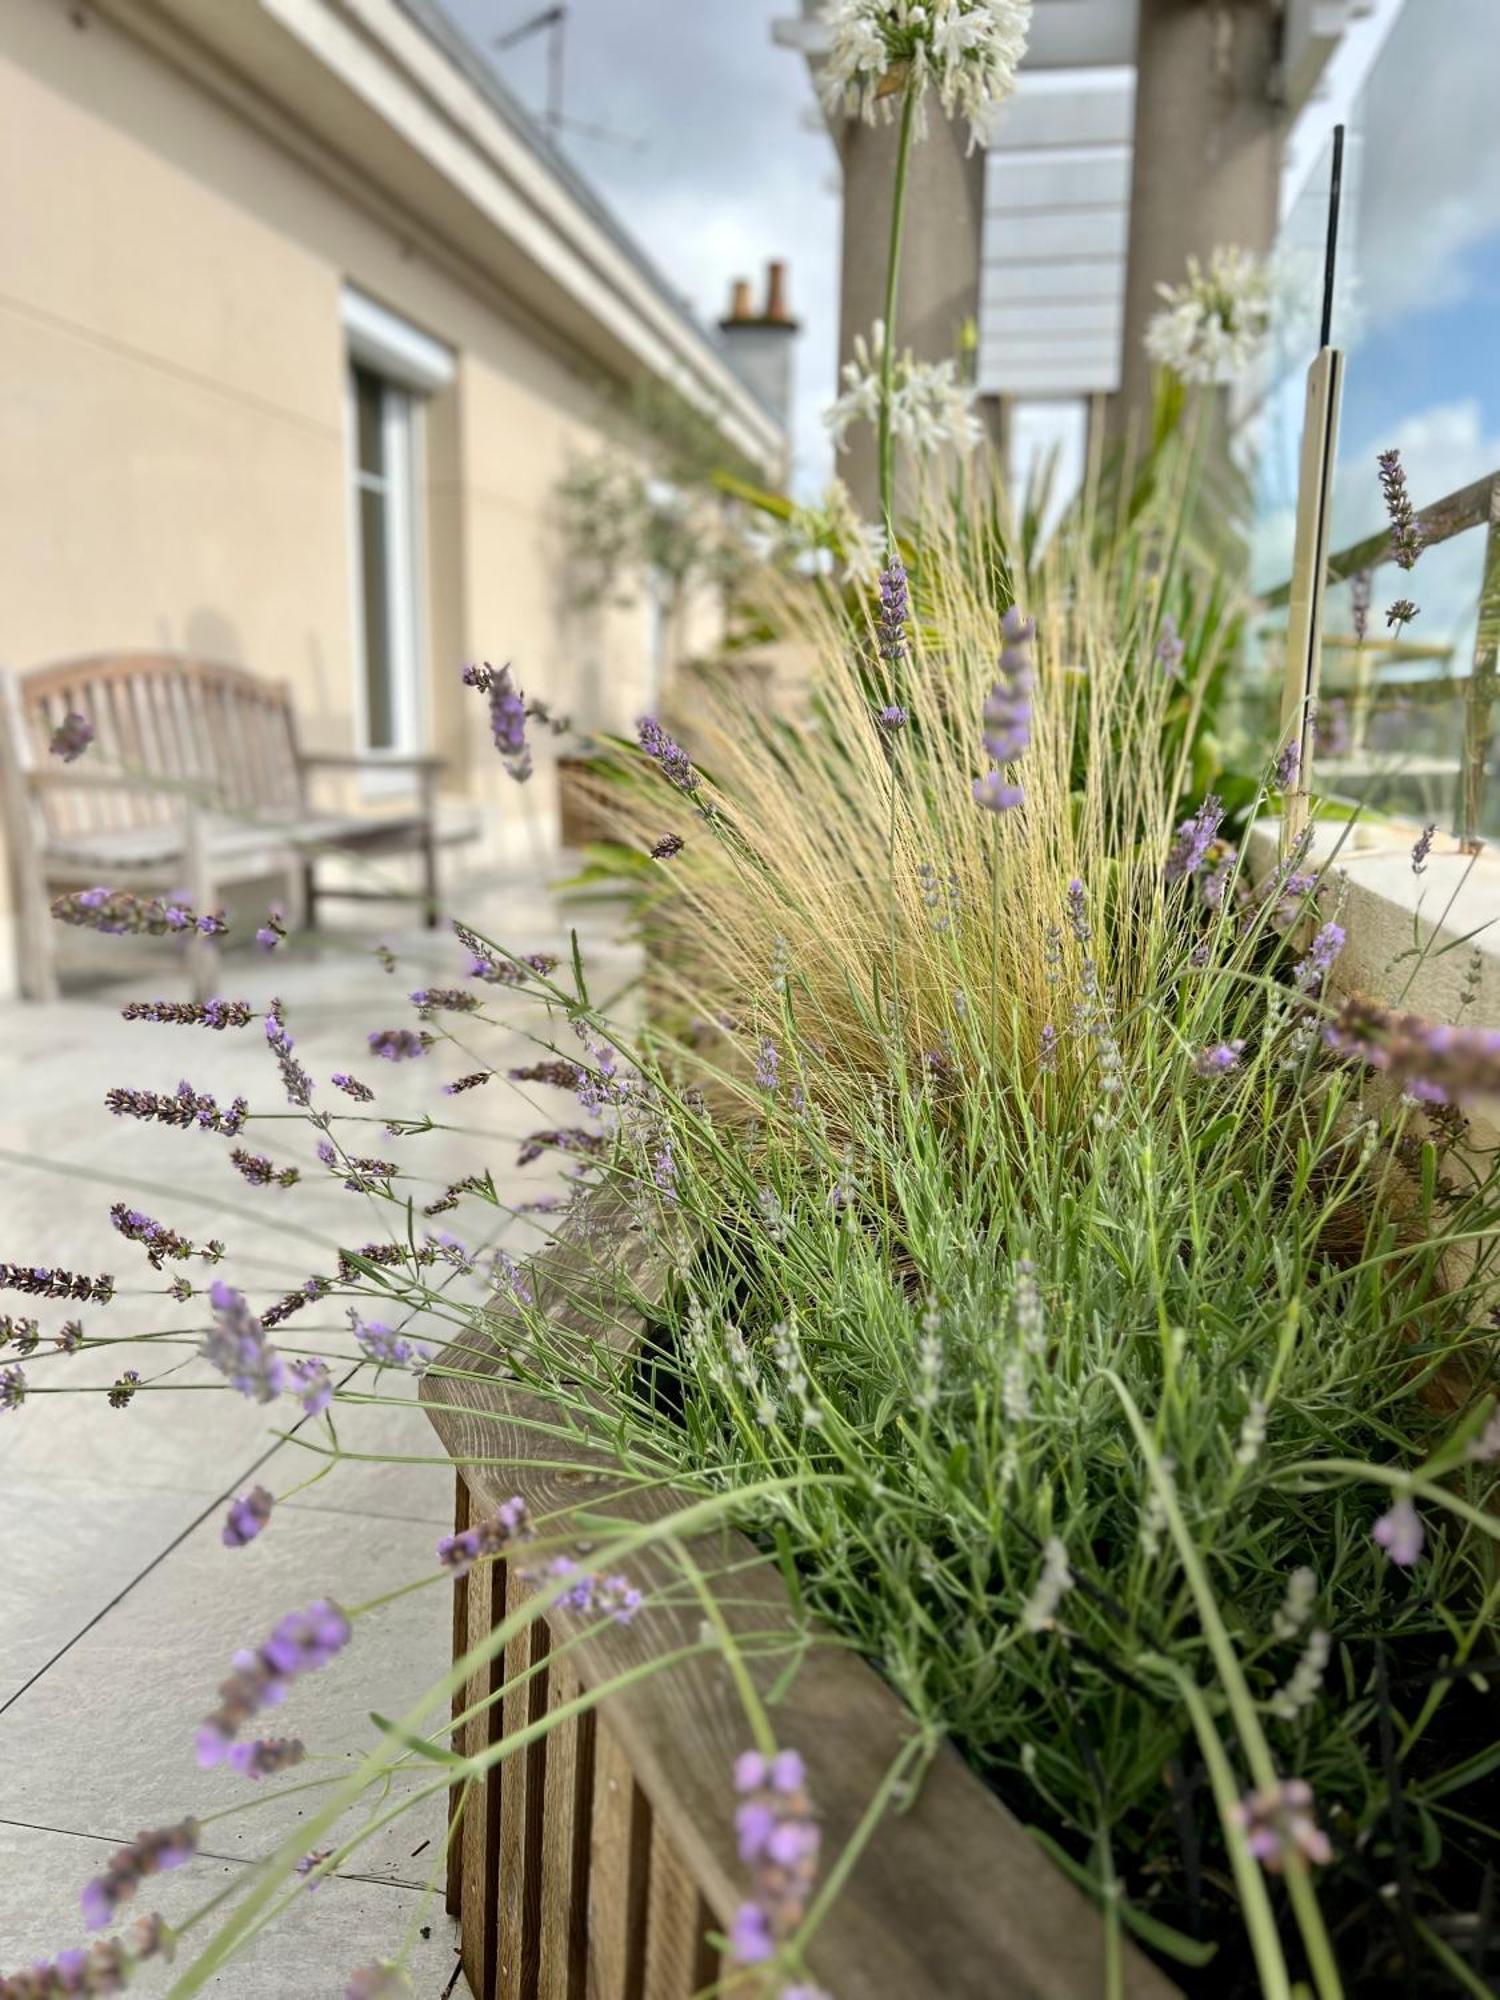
{"x":522,"y":1804}
{"x":481,"y":1824}
{"x":679,"y":1958}
{"x":461,"y":1736}
{"x":950,"y":1896}
{"x":619,"y":1876}
{"x":565,"y":1843}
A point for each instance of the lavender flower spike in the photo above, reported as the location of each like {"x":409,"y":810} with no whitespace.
{"x":246,"y":1517}
{"x":397,"y":1044}
{"x":72,"y":737}
{"x":1422,"y":848}
{"x":1195,"y":837}
{"x":302,"y":1642}
{"x":778,"y":1839}
{"x":1310,"y":972}
{"x":507,"y":716}
{"x":12,"y":1388}
{"x":238,"y":1347}
{"x":677,"y":766}
{"x":1278,"y":1820}
{"x":1406,"y":531}
{"x":895,"y":607}
{"x":147,"y":1854}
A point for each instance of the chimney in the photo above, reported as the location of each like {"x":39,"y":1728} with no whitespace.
{"x":758,"y":345}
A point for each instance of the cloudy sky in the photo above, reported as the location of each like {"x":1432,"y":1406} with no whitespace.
{"x":725,"y":162}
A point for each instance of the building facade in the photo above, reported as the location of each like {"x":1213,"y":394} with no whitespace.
{"x":301,"y":321}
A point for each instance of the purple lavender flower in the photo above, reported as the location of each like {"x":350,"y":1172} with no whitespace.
{"x":12,"y":1388}
{"x":1288,"y":763}
{"x":667,"y":847}
{"x":593,"y":1595}
{"x":247,"y":1515}
{"x":1007,"y":715}
{"x":72,"y":737}
{"x":664,"y":1173}
{"x":191,"y":1013}
{"x":767,"y":1066}
{"x":105,"y":1966}
{"x":892,"y":718}
{"x":184,"y":1107}
{"x":1310,"y":972}
{"x":1194,"y":838}
{"x":1047,"y":1055}
{"x":1400,"y":1533}
{"x":677,"y":766}
{"x":895,"y":608}
{"x":508,"y":714}
{"x":26,"y":1333}
{"x":1170,"y":647}
{"x":263,"y":1759}
{"x":43,"y":1282}
{"x":122,"y":1394}
{"x":397,"y":1044}
{"x":68,"y":1338}
{"x":1422,"y":849}
{"x":1406,"y":530}
{"x":116,"y":912}
{"x":159,"y":1241}
{"x":1400,"y":613}
{"x":1078,"y":921}
{"x":311,"y":1384}
{"x":352,"y":1087}
{"x":238,"y":1348}
{"x":302,"y":1642}
{"x":294,"y":1078}
{"x":1218,"y":1059}
{"x":1427,"y":1058}
{"x":475,"y":1080}
{"x":385,"y":1347}
{"x":1278,"y":1820}
{"x":778,"y":1839}
{"x":262,"y":1172}
{"x":273,"y":931}
{"x":309,"y":1865}
{"x":148,"y":1854}
{"x":510,"y":1523}
{"x":996,"y":794}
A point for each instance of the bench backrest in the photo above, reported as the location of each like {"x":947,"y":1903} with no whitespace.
{"x":223,"y":731}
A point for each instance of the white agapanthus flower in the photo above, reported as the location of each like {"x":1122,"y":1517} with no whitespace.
{"x":967,"y":50}
{"x":930,"y":407}
{"x":1210,"y":327}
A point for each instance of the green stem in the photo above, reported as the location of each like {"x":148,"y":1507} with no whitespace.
{"x":888,"y":346}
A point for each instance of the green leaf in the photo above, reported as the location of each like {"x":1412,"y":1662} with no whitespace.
{"x":434,"y":1751}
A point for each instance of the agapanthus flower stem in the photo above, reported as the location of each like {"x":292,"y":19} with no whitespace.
{"x":885,"y":434}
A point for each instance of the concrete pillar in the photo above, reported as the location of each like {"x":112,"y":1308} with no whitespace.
{"x":1208,"y":134}
{"x":939,"y":259}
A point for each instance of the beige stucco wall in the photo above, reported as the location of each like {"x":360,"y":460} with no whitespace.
{"x":172,"y":450}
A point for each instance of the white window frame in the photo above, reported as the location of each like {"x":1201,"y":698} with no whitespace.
{"x":410,"y":365}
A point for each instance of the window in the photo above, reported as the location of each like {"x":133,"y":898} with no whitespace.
{"x":385,"y":562}
{"x":393,"y":368}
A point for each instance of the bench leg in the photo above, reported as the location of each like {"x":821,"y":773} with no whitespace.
{"x":36,"y":943}
{"x":310,"y":894}
{"x":429,"y":852}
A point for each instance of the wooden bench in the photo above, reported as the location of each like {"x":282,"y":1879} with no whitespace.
{"x":195,"y":781}
{"x":599,"y":1860}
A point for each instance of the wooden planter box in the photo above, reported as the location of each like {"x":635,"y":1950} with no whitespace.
{"x":596,"y":1862}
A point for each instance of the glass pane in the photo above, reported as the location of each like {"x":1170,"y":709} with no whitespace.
{"x":380,"y":706}
{"x":369,"y":401}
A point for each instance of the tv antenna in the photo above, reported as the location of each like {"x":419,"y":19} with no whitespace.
{"x":553,"y":22}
